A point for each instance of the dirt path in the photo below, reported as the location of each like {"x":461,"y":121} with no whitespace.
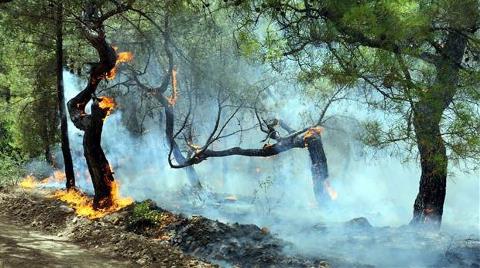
{"x":20,"y":247}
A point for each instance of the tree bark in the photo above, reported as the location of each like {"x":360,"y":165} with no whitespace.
{"x":65,"y":143}
{"x":92,"y":124}
{"x":98,"y":166}
{"x":192,"y":174}
{"x":428,"y":206}
{"x":319,"y":168}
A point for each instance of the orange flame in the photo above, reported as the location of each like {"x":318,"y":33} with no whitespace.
{"x":29,"y":182}
{"x":76,"y":199}
{"x":107,"y":103}
{"x":83,"y":204}
{"x":58,"y":176}
{"x":173,"y":99}
{"x":122,"y":57}
{"x":331,"y":192}
{"x":311,"y":132}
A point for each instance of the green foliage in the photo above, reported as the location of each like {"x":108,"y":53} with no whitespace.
{"x":29,"y":118}
{"x":11,"y":168}
{"x":143,"y":213}
{"x":249,"y":46}
{"x":388,"y":51}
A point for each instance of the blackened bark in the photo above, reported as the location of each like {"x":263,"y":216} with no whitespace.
{"x":98,"y":166}
{"x":92,"y":124}
{"x":319,"y":168}
{"x":65,"y":144}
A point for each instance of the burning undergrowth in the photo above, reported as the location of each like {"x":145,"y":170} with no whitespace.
{"x":140,"y":226}
{"x":75,"y":198}
{"x":250,"y":245}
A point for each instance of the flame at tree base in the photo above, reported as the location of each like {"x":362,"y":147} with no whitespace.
{"x":83,"y":204}
{"x":76,"y":199}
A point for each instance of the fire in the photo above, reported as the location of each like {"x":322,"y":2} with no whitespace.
{"x":173,"y":99}
{"x":76,"y":199}
{"x":107,"y":103}
{"x":122,"y":57}
{"x":29,"y":182}
{"x":58,"y":176}
{"x":331,"y":192}
{"x":83,"y":204}
{"x":311,"y":132}
{"x":194,"y":147}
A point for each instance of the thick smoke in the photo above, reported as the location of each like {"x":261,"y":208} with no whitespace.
{"x":277,"y":192}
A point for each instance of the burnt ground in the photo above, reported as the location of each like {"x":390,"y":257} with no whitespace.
{"x":146,"y":235}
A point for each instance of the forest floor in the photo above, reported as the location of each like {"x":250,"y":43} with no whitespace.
{"x":22,"y":247}
{"x":132,"y":239}
{"x":36,"y":230}
{"x":42,"y":232}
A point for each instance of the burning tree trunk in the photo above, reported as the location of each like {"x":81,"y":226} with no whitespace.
{"x":92,"y":124}
{"x":319,"y":166}
{"x":168,"y":104}
{"x":98,"y":166}
{"x":308,"y":137}
{"x":67,"y":156}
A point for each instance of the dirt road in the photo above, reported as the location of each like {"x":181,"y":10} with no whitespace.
{"x":20,"y":247}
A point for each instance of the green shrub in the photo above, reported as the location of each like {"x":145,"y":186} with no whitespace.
{"x":143,"y":213}
{"x":11,"y":169}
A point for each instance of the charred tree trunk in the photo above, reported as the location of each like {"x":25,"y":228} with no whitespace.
{"x":319,"y":168}
{"x":67,"y":156}
{"x":92,"y":124}
{"x":98,"y":166}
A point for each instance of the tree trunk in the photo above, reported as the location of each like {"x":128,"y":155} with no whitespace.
{"x":193,"y":178}
{"x":92,"y":124}
{"x":67,"y":156}
{"x":98,"y":166}
{"x":319,"y":168}
{"x":48,"y":155}
{"x":192,"y":175}
{"x":428,"y":206}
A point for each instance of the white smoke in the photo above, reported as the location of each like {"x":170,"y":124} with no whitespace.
{"x":380,"y":188}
